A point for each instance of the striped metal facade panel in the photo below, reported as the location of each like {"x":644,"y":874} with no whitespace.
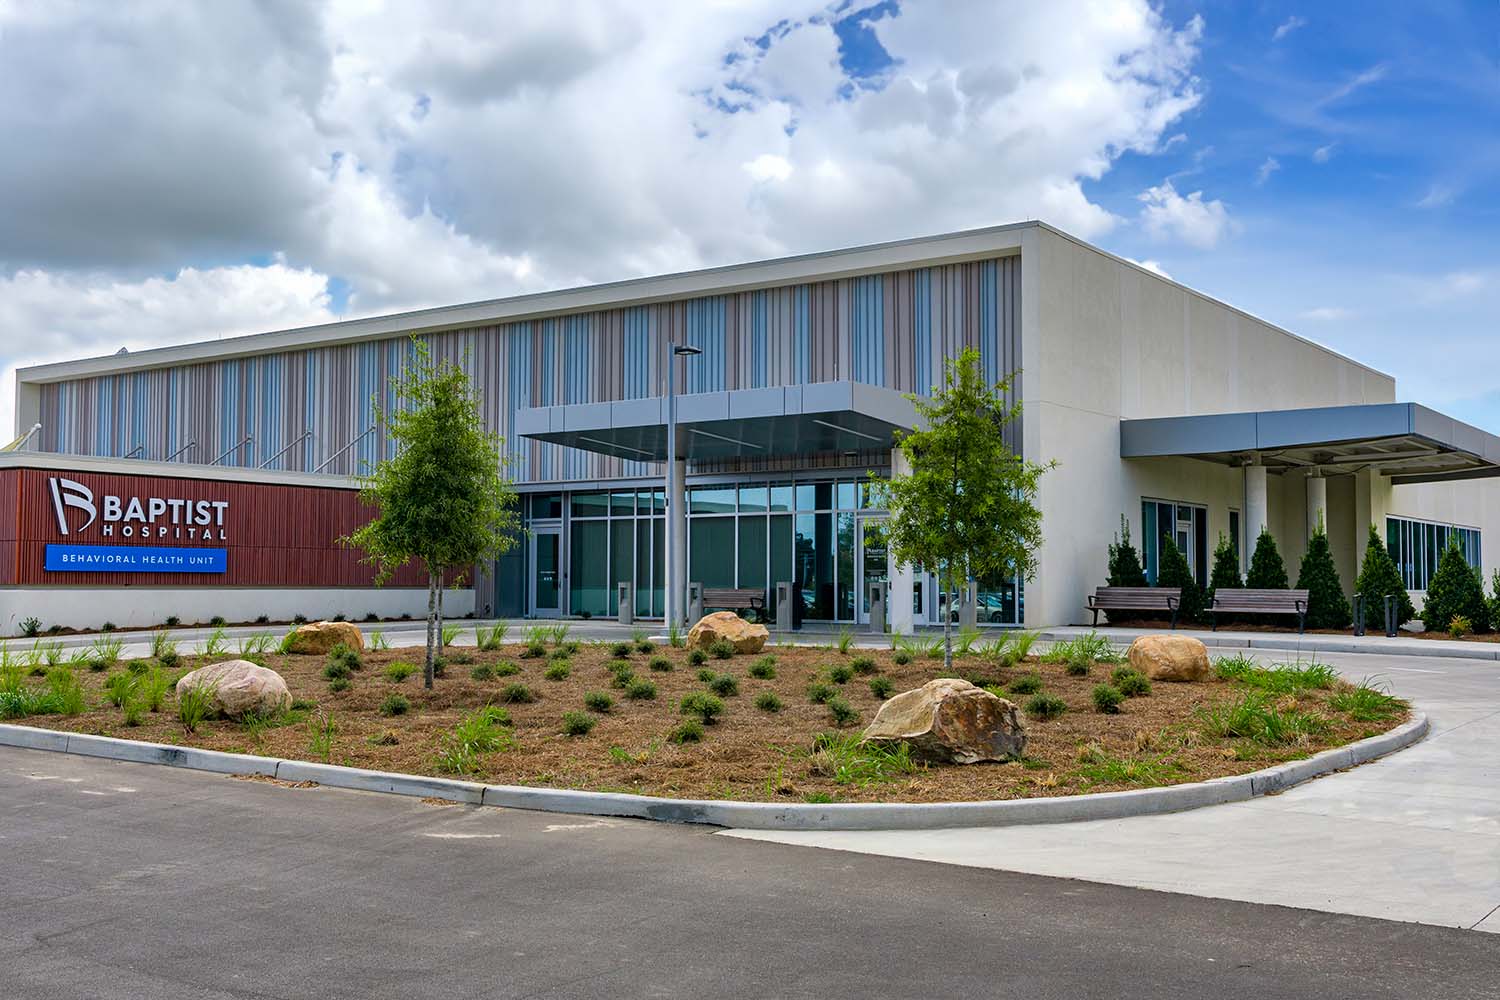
{"x":893,"y":329}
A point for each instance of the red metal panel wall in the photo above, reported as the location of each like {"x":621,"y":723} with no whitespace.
{"x":275,"y":536}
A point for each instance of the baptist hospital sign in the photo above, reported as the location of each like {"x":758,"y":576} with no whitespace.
{"x":150,"y":518}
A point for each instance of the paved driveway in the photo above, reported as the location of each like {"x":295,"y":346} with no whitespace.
{"x":1415,"y":836}
{"x":132,"y":881}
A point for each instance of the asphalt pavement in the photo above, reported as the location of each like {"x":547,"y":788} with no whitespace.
{"x":126,"y":880}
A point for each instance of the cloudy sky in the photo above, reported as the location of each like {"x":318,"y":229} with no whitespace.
{"x":181,"y":171}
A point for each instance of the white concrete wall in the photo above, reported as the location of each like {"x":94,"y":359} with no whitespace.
{"x":130,"y":607}
{"x":1112,"y":340}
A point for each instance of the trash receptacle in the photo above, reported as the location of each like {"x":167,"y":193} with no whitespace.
{"x":785,"y":607}
{"x":877,"y":605}
{"x":694,"y":603}
{"x":626,"y":602}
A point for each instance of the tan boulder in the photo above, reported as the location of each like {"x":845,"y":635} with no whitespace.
{"x":951,"y":720}
{"x":317,"y":638}
{"x":239,"y":686}
{"x":1170,"y":658}
{"x":746,"y":636}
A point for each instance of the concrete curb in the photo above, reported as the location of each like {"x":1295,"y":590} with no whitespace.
{"x":1307,"y":644}
{"x":743,"y":815}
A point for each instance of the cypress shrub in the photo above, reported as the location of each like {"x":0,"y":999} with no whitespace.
{"x":1225,"y":574}
{"x":1327,"y":607}
{"x":1377,"y":578}
{"x":1124,"y":562}
{"x":1455,"y":589}
{"x":1267,"y":571}
{"x":1173,"y":571}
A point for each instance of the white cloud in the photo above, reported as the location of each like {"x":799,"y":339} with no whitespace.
{"x":1288,"y":26}
{"x":1362,"y":79}
{"x":1168,"y":215}
{"x":1324,"y":153}
{"x":1265,"y":170}
{"x":1437,"y":196}
{"x":1153,"y":266}
{"x":424,"y":154}
{"x":1327,"y":314}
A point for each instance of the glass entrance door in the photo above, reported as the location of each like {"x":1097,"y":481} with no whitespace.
{"x":874,"y":564}
{"x":546,"y":582}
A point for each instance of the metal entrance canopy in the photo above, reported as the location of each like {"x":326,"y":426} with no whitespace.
{"x":1406,"y":441}
{"x":736,"y":423}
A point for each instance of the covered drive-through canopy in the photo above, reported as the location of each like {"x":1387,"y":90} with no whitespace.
{"x":1406,"y":441}
{"x":783,"y":420}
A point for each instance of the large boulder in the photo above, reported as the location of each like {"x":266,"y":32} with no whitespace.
{"x":1170,"y":658}
{"x":317,"y":638}
{"x":746,"y":636}
{"x":239,"y":686}
{"x":951,"y":720}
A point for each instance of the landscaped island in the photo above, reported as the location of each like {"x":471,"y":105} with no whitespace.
{"x":784,"y":724}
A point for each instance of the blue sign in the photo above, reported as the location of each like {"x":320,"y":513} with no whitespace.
{"x":135,"y":559}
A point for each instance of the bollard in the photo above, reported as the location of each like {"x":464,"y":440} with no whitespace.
{"x":695,"y":603}
{"x":1359,"y":614}
{"x":877,"y":605}
{"x":785,"y":610}
{"x":625,"y":605}
{"x":1390,"y":616}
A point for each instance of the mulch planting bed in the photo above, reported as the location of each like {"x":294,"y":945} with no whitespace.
{"x":748,"y":753}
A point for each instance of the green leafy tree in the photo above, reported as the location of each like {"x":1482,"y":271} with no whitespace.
{"x":1455,"y":589}
{"x":1173,"y":571}
{"x":1327,"y":607}
{"x":1124,"y":561}
{"x":1378,"y":578}
{"x":1225,"y":574}
{"x":967,"y":509}
{"x":444,"y":500}
{"x":1267,"y":571}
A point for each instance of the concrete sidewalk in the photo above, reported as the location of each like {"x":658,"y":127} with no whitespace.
{"x":1414,"y":836}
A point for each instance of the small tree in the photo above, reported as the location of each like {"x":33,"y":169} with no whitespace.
{"x":1456,"y":589}
{"x":1267,"y":571}
{"x":1173,"y":571}
{"x":1327,"y":607}
{"x":1379,"y":578}
{"x":968,"y":506}
{"x":1124,"y":562}
{"x":444,"y":499}
{"x":1225,"y":574}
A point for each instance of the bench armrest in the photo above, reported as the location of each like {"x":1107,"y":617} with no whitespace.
{"x":1172,"y":603}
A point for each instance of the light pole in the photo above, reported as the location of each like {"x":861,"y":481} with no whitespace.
{"x":676,"y":496}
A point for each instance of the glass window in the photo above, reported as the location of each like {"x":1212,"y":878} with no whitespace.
{"x":711,"y":500}
{"x":781,"y":549}
{"x":806,"y":497}
{"x":590,"y":504}
{"x":643,"y":551}
{"x":711,"y":551}
{"x":752,"y":499}
{"x":846,"y":582}
{"x":622,"y":504}
{"x":781,"y":497}
{"x":657,"y":503}
{"x":1417,"y":547}
{"x":545,"y":505}
{"x":590,"y":567}
{"x":621,"y":556}
{"x":813,"y":564}
{"x":752,"y":552}
{"x":848,"y":496}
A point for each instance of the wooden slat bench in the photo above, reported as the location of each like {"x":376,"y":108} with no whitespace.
{"x":1233,"y":600}
{"x":732,"y":599}
{"x":1108,"y":599}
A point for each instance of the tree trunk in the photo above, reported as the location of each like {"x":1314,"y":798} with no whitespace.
{"x":440,"y":644}
{"x":431,"y":617}
{"x":948,"y":622}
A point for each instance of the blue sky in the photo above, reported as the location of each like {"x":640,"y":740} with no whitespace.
{"x":185,"y":172}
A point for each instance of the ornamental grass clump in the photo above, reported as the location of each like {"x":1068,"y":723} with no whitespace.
{"x":395,"y":704}
{"x":842,"y":712}
{"x":840,"y":674}
{"x":621,"y":649}
{"x":576,"y":723}
{"x":818,"y":692}
{"x":1107,"y":699}
{"x":863,"y":665}
{"x":686,"y":731}
{"x":1025,"y":684}
{"x":558,"y":670}
{"x":697,"y":657}
{"x":346,"y":655}
{"x":518,"y":694}
{"x":703,"y":705}
{"x":1131,"y":682}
